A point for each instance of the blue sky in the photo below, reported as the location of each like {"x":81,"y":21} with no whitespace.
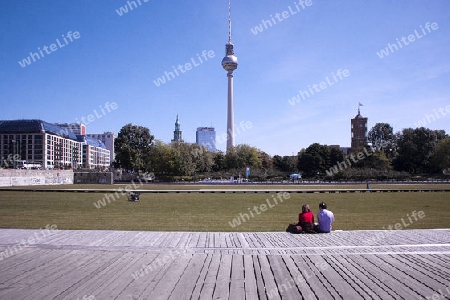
{"x":117,"y":58}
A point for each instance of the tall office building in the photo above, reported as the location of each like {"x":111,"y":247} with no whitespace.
{"x":177,"y":134}
{"x":230,"y":63}
{"x":206,"y":136}
{"x":358,"y":131}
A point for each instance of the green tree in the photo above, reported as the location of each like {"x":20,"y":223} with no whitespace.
{"x":278,"y":162}
{"x":441,"y":157}
{"x":132,"y":147}
{"x":202,"y":158}
{"x":286,"y":163}
{"x":248,"y":156}
{"x":315,"y":159}
{"x":376,"y":160}
{"x":383,"y":138}
{"x":336,"y":155}
{"x":242,"y":156}
{"x":231,"y":159}
{"x":415,"y":149}
{"x":162,"y":159}
{"x":182,"y":155}
{"x":266,"y":160}
{"x":219,"y":162}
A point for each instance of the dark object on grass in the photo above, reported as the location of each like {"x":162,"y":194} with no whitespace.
{"x":133,"y":196}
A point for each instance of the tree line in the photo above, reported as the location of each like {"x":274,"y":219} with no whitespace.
{"x":387,"y":155}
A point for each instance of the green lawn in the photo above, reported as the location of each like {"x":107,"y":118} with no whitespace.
{"x":214,"y":212}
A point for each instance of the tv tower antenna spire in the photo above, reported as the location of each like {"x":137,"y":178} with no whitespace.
{"x":229,"y":21}
{"x":230,"y":63}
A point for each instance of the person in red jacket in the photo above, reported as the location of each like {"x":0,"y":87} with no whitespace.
{"x":305,"y":222}
{"x":306,"y":219}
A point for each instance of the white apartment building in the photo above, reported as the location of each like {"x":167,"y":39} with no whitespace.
{"x":49,"y":145}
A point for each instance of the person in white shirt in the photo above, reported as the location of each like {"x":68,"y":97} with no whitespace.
{"x":325,"y":218}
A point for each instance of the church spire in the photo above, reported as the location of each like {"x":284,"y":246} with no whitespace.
{"x":177,"y":134}
{"x":177,"y":123}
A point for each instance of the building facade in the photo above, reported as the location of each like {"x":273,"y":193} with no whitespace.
{"x":358,"y":131}
{"x":107,"y":138}
{"x":77,"y":128}
{"x":51,"y":146}
{"x":206,"y":136}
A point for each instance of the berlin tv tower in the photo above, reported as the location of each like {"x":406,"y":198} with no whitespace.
{"x":230,"y":63}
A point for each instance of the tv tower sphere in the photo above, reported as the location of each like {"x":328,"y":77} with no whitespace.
{"x":230,"y":62}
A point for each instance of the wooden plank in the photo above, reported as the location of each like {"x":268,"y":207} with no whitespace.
{"x":174,"y":239}
{"x":380,"y":283}
{"x":110,"y":280}
{"x":222,"y":288}
{"x":355,"y":278}
{"x":241,"y":237}
{"x":207,"y":290}
{"x":231,"y":240}
{"x":140,"y":272}
{"x":391,"y":279}
{"x":166,"y":285}
{"x":315,"y":279}
{"x":237,"y":278}
{"x":442,"y":258}
{"x":216,"y":238}
{"x":342,"y":287}
{"x":260,"y":286}
{"x":156,"y":239}
{"x":419,"y":283}
{"x":186,"y":285}
{"x":223,"y":239}
{"x":183,"y":242}
{"x":165,"y":243}
{"x":35,"y":275}
{"x":286,"y":285}
{"x":103,"y":270}
{"x":19,"y":266}
{"x":432,"y":273}
{"x":53,"y":276}
{"x":202,"y":241}
{"x":250,"y":239}
{"x":271,"y":289}
{"x":298,"y":278}
{"x":157,"y":275}
{"x":251,"y":291}
{"x":212,"y":239}
{"x":193,"y":240}
{"x":202,"y":277}
{"x":71,"y":283}
{"x":439,"y":262}
{"x":18,"y":262}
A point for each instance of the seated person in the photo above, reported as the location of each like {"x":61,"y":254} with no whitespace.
{"x":306,"y":219}
{"x":305,"y":222}
{"x":325,"y":218}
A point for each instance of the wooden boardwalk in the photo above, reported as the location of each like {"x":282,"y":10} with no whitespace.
{"x":63,"y":264}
